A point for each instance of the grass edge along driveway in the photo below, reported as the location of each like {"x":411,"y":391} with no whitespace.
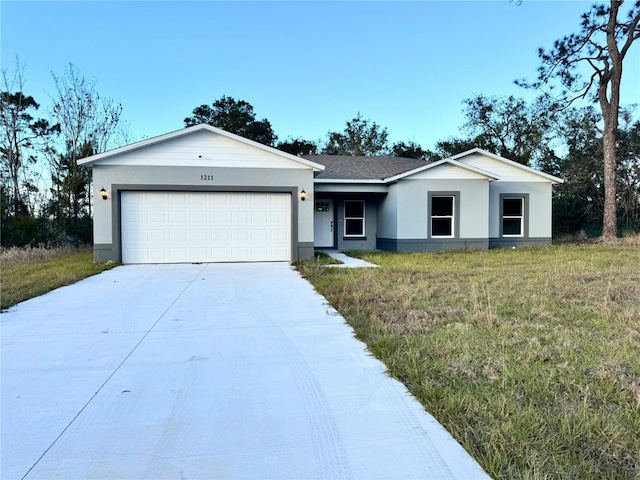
{"x":529,"y":357}
{"x":28,"y":273}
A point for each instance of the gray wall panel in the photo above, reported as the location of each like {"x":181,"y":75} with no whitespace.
{"x":413,"y":213}
{"x":104,"y":253}
{"x":539,"y":206}
{"x":387,"y":214}
{"x":428,"y":245}
{"x":305,"y":250}
{"x":518,"y":242}
{"x":371,"y":225}
{"x":116,"y":179}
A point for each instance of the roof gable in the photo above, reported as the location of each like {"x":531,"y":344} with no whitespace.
{"x":200,"y":145}
{"x":505,"y":170}
{"x":447,"y":169}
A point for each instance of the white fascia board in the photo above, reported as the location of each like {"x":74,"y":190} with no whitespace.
{"x":346,"y":180}
{"x":196,"y":128}
{"x":449,"y":161}
{"x":506,"y":161}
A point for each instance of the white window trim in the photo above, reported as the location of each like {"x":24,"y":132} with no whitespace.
{"x":364,"y":212}
{"x":513,"y":217}
{"x":439,"y":217}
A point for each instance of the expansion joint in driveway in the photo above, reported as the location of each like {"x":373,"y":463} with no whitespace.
{"x":114,"y":372}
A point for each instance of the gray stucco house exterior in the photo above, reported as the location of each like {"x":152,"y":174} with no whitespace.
{"x":204,"y":195}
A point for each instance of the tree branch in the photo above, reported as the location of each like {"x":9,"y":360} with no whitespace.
{"x":634,"y":33}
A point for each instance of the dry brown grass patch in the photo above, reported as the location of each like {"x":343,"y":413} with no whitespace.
{"x":23,"y":255}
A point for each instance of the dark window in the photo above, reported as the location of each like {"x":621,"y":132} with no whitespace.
{"x":511,"y":226}
{"x":354,"y":208}
{"x":513,"y":217}
{"x":441,"y":227}
{"x":354,"y":218}
{"x":442,"y":206}
{"x":442,"y":216}
{"x":512,"y":207}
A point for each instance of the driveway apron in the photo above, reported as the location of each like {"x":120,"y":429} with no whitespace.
{"x":218,"y":371}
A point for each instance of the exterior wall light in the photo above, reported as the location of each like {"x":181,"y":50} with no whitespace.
{"x":303,"y":195}
{"x":103,"y":193}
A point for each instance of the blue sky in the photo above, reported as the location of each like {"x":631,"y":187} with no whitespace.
{"x":308,"y":67}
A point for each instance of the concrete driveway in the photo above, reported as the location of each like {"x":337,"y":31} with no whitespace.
{"x":205,"y":372}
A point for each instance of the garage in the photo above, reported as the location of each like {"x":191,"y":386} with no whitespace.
{"x":201,"y":195}
{"x":181,"y":227}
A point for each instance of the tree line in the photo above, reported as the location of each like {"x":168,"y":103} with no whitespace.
{"x":595,"y":148}
{"x":567,"y":143}
{"x":36,"y":151}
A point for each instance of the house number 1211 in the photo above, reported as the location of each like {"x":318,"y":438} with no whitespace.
{"x":206,"y":177}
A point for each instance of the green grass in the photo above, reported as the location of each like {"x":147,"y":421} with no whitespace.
{"x":529,"y":357}
{"x":326,"y":259}
{"x":25,"y":274}
{"x":318,"y":263}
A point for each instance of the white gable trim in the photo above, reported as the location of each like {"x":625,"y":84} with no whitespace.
{"x":506,"y":161}
{"x":88,"y":161}
{"x":449,"y":161}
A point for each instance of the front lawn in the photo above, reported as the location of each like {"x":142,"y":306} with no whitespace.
{"x":529,"y":357}
{"x":27,"y":273}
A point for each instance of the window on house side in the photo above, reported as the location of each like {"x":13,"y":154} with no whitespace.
{"x":513,"y":217}
{"x":442,"y":209}
{"x":354,"y":218}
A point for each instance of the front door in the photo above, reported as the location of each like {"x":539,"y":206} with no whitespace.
{"x":323,"y":223}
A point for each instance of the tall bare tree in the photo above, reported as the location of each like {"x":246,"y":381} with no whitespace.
{"x":604,"y":40}
{"x":89,"y":123}
{"x":21,"y":136}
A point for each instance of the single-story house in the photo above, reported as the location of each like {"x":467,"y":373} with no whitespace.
{"x":201,"y":194}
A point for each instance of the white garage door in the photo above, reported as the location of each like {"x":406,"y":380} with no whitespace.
{"x":175,"y":227}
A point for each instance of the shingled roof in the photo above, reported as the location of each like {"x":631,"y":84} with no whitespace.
{"x":345,"y":167}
